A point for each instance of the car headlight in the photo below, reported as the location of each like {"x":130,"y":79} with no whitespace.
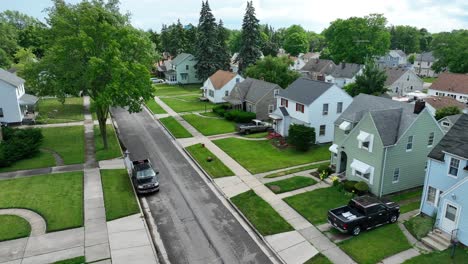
{"x":140,"y":187}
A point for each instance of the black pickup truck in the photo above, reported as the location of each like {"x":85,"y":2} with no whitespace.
{"x":363,"y":213}
{"x":144,"y":177}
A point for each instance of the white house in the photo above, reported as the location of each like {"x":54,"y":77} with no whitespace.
{"x":14,"y":102}
{"x":313,"y":103}
{"x":393,"y":58}
{"x":402,"y":81}
{"x":344,"y":73}
{"x":454,"y":85}
{"x":422,"y":64}
{"x":220,"y":85}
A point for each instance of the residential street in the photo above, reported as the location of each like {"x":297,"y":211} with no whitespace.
{"x":193,"y":223}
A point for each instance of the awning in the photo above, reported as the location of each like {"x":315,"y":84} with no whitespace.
{"x":345,"y":126}
{"x":363,"y":136}
{"x":334,"y":148}
{"x":360,"y":166}
{"x":275,"y":117}
{"x":27,"y":99}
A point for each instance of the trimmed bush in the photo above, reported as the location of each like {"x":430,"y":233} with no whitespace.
{"x":19,"y":144}
{"x":325,"y":168}
{"x":239,"y":116}
{"x":301,"y":136}
{"x":361,"y":188}
{"x":220,"y":110}
{"x":349,"y":185}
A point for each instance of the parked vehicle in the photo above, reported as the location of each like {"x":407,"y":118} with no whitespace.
{"x":156,"y":80}
{"x":363,"y":213}
{"x":254,"y":127}
{"x":144,"y":177}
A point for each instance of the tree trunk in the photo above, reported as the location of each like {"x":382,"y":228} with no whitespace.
{"x":102,"y":113}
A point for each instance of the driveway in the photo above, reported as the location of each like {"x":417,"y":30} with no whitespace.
{"x":193,"y":222}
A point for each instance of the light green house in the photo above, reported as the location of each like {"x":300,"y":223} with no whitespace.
{"x":181,"y":70}
{"x":384,"y":143}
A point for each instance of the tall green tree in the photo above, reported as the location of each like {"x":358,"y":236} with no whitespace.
{"x":451,"y":51}
{"x":405,"y":38}
{"x":274,"y":70}
{"x":223,"y":55}
{"x":24,"y":58}
{"x":8,"y":44}
{"x":425,"y":40}
{"x":371,"y":81}
{"x":357,"y":38}
{"x":251,"y":39}
{"x":316,"y":41}
{"x":191,"y":38}
{"x":234,"y":41}
{"x":295,"y":40}
{"x":178,"y":40}
{"x":93,"y":48}
{"x":270,"y":44}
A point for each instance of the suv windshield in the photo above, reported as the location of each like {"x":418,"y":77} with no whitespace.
{"x":146,"y":173}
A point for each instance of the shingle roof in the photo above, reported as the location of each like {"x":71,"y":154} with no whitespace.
{"x":451,"y":82}
{"x":400,"y":53}
{"x":252,"y":89}
{"x":220,"y":78}
{"x":346,"y":70}
{"x":443,"y":101}
{"x":305,"y":91}
{"x":393,"y":74}
{"x":392,"y":118}
{"x":320,"y":66}
{"x":454,"y":142}
{"x":10,"y":78}
{"x":181,"y":57}
{"x":425,"y":56}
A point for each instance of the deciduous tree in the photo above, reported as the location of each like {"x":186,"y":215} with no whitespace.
{"x":451,"y":51}
{"x":371,"y":81}
{"x":295,"y":40}
{"x":274,"y":70}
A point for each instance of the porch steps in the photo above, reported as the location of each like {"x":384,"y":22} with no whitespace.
{"x":437,"y":240}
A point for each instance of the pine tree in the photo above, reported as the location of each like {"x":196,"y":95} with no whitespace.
{"x":207,"y":44}
{"x":178,"y":39}
{"x":224,"y":58}
{"x":250,"y":48}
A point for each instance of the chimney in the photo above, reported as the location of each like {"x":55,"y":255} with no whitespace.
{"x":343,"y":65}
{"x":419,"y":106}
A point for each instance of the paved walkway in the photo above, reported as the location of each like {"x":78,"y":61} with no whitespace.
{"x":35,"y":220}
{"x":41,"y":171}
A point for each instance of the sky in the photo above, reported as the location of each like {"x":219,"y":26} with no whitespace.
{"x":434,"y":15}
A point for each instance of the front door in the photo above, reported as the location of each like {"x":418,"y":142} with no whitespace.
{"x":449,"y":217}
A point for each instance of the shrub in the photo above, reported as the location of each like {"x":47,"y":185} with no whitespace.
{"x":335,"y":181}
{"x":19,"y":144}
{"x":325,"y":168}
{"x":239,"y":116}
{"x":301,"y":136}
{"x":361,"y":188}
{"x":349,"y":185}
{"x":220,"y":110}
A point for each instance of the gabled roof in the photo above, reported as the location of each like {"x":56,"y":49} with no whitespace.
{"x":392,"y":118}
{"x":393,"y":74}
{"x":452,"y":118}
{"x":180,"y":58}
{"x":454,"y":142}
{"x":253,"y":90}
{"x":305,"y":91}
{"x":396,"y":53}
{"x":425,"y":56}
{"x":319,"y":66}
{"x":451,"y":82}
{"x":439,"y":102}
{"x":310,"y":55}
{"x":346,"y":70}
{"x":10,"y":78}
{"x":221,"y":78}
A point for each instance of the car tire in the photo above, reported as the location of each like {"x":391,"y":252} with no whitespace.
{"x":393,"y":218}
{"x":356,"y":230}
{"x":247,"y":132}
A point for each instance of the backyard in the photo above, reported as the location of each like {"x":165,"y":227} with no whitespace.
{"x":210,"y":126}
{"x":290,"y":184}
{"x":13,"y":227}
{"x":177,"y":130}
{"x":57,"y":197}
{"x":188,"y":103}
{"x":52,"y":111}
{"x":262,"y":156}
{"x":113,"y":151}
{"x":215,"y":168}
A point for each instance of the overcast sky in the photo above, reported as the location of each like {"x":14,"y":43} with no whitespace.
{"x":436,"y":16}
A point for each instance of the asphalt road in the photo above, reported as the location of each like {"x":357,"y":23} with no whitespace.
{"x":193,"y":223}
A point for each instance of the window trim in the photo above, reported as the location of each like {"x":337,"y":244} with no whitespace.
{"x":300,"y":107}
{"x":284,"y":102}
{"x":396,"y":171}
{"x":450,"y":166}
{"x":324,"y":113}
{"x":339,"y":106}
{"x":435,"y":195}
{"x":430,"y":140}
{"x":408,"y":143}
{"x":324,"y":130}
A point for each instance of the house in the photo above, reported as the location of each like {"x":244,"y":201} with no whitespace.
{"x":447,"y":122}
{"x":434,"y":103}
{"x":300,"y":61}
{"x":446,"y":182}
{"x":402,"y":81}
{"x":15,"y":104}
{"x":384,"y":143}
{"x":220,"y":85}
{"x":317,"y":69}
{"x":234,"y":63}
{"x":454,"y":85}
{"x":393,"y":58}
{"x":312,"y":103}
{"x":256,"y":96}
{"x":297,"y":63}
{"x":344,"y":73}
{"x":181,"y":70}
{"x":306,"y":57}
{"x":422,"y":64}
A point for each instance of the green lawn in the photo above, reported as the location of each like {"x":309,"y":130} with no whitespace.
{"x":68,"y":142}
{"x":314,"y":205}
{"x":57,"y":197}
{"x":52,"y":111}
{"x":13,"y":227}
{"x":175,"y":127}
{"x":419,"y":226}
{"x":210,"y":114}
{"x":265,"y":219}
{"x":290,"y":184}
{"x":155,"y":107}
{"x":408,"y":201}
{"x":256,"y":135}
{"x":429,"y":79}
{"x":374,"y":245}
{"x":187,"y":103}
{"x":171,"y":90}
{"x":92,"y":109}
{"x":113,"y":149}
{"x":210,"y":126}
{"x":41,"y":160}
{"x":214,"y":168}
{"x":409,"y":207}
{"x":261,"y":156}
{"x":119,"y":197}
{"x":77,"y":260}
{"x":291,"y":171}
{"x":441,"y":257}
{"x":319,"y":259}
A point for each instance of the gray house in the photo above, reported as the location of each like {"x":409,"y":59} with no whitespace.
{"x":254,"y":96}
{"x":182,"y":70}
{"x":393,"y":58}
{"x":317,"y":69}
{"x":402,"y":81}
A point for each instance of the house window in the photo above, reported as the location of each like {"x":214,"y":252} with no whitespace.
{"x":453,"y":168}
{"x":226,"y":93}
{"x":339,"y":107}
{"x":396,"y":175}
{"x":284,"y":102}
{"x":184,"y":76}
{"x":430,"y":141}
{"x":362,"y":175}
{"x":431,"y":194}
{"x":409,"y":144}
{"x":407,"y":78}
{"x":211,"y":93}
{"x":299,"y":108}
{"x":322,"y":130}
{"x":271,"y":108}
{"x":365,"y":145}
{"x":445,"y":124}
{"x":451,"y":212}
{"x":276,"y":92}
{"x":1,"y":112}
{"x":186,"y":67}
{"x":365,"y":141}
{"x":237,"y":80}
{"x":325,"y":109}
{"x":396,"y":90}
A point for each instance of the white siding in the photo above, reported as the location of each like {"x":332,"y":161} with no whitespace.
{"x":458,"y":96}
{"x":9,"y":103}
{"x":218,"y":94}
